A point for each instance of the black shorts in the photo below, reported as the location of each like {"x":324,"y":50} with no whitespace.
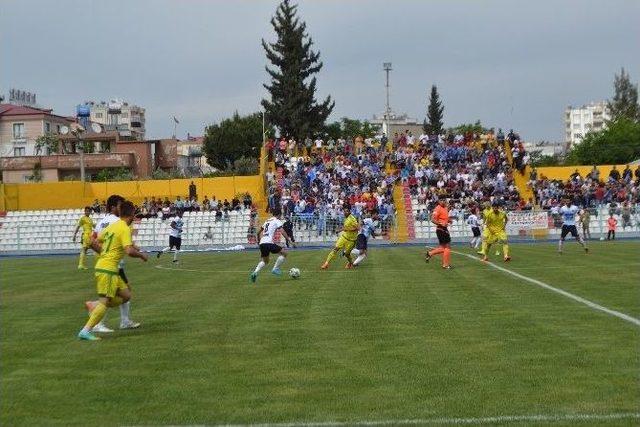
{"x":566,"y":229}
{"x":269,"y":248}
{"x":123,"y":276}
{"x":361,"y":242}
{"x":175,"y":242}
{"x":443,"y":236}
{"x":475,"y":231}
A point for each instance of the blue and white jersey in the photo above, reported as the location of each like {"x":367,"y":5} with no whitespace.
{"x":368,"y":227}
{"x":569,"y":214}
{"x":473,"y":221}
{"x":176,"y":232}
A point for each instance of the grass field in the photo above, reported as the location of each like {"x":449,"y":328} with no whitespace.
{"x":395,"y":340}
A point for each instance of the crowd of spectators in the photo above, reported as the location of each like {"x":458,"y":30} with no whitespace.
{"x":470,"y":170}
{"x":166,"y":208}
{"x":591,"y":190}
{"x":315,"y":185}
{"x":318,"y":177}
{"x":619,"y":192}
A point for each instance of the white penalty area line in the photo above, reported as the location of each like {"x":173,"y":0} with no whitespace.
{"x":454,"y":421}
{"x":566,"y":294}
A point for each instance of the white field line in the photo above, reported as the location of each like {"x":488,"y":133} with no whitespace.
{"x":452,"y":421}
{"x":339,"y":269}
{"x":566,"y":294}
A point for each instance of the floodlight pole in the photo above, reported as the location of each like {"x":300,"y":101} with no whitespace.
{"x":386,"y":66}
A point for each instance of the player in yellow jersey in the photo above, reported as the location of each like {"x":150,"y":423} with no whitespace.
{"x":347,"y":240}
{"x":112,"y":244}
{"x":86,"y":223}
{"x":495,"y":230}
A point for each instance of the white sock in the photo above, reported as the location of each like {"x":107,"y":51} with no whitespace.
{"x":355,"y":252}
{"x":279,"y":262}
{"x":559,"y":245}
{"x":359,"y":259}
{"x":259,"y":267}
{"x":124,"y":312}
{"x":167,"y":249}
{"x":175,"y":254}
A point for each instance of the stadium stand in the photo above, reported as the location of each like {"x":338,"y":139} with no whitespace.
{"x":52,"y":230}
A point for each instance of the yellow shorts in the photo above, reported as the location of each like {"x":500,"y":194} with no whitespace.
{"x":108,"y":284}
{"x":86,"y":241}
{"x":492,"y":236}
{"x":345,"y":244}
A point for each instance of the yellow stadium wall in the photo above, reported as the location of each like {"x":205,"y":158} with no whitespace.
{"x":563,"y":172}
{"x":75,"y":194}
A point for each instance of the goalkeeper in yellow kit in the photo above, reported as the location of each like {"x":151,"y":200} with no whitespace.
{"x":495,"y":225}
{"x":347,"y":240}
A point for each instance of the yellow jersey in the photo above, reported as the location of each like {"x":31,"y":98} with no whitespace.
{"x":350,"y":228}
{"x":114,"y":239}
{"x":494,"y":221}
{"x":86,"y":223}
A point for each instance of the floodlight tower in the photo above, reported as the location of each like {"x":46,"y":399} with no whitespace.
{"x":386,"y":66}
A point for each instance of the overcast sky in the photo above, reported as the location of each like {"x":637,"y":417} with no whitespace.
{"x":508,"y":63}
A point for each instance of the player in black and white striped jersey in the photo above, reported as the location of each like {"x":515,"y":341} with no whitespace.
{"x":266,"y":237}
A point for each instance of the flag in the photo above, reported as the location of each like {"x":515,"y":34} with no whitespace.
{"x":175,"y":120}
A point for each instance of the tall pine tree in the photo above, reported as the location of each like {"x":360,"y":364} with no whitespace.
{"x":433,"y":123}
{"x":293,"y":107}
{"x":625,"y":99}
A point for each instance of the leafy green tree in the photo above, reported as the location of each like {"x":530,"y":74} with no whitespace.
{"x":619,"y":143}
{"x":469,"y":127}
{"x":47,"y":143}
{"x":349,"y":128}
{"x":113,"y":174}
{"x":538,"y":159}
{"x":231,"y":139}
{"x":625,"y":99}
{"x":293,"y":108}
{"x":433,"y":123}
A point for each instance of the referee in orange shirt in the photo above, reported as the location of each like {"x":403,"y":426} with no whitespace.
{"x":440,"y":218}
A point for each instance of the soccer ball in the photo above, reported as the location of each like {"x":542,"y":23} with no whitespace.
{"x":294,"y":273}
{"x":602,"y":238}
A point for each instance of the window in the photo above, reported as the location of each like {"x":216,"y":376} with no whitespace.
{"x":98,"y":115}
{"x":47,"y":127}
{"x":123,"y":114}
{"x":19,"y":151}
{"x":58,"y":128}
{"x":18,"y":131}
{"x":576,"y":126}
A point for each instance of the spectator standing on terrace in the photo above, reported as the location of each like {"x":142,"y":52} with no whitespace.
{"x":192,"y":191}
{"x":614,"y":174}
{"x":595,"y":174}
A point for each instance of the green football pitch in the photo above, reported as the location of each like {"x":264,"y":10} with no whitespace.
{"x":396,"y":341}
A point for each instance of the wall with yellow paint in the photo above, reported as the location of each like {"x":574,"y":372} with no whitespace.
{"x":75,"y":194}
{"x":563,"y":172}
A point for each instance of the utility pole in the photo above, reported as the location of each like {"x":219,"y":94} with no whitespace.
{"x":386,"y":66}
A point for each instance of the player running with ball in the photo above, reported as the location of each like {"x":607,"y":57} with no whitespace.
{"x":266,"y":236}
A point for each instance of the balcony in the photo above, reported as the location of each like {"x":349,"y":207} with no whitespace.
{"x":69,"y":161}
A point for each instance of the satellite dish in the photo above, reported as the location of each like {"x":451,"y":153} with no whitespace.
{"x":96,"y":128}
{"x":64,"y":130}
